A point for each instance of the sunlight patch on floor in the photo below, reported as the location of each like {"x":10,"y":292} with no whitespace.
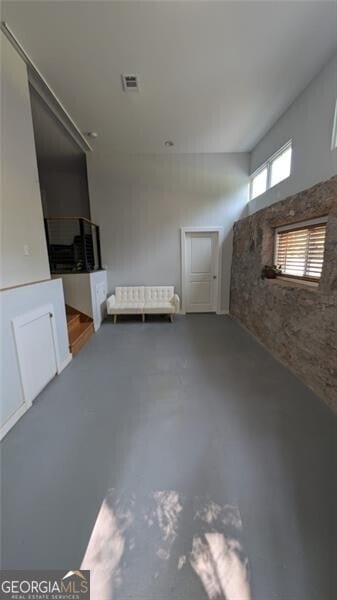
{"x":146,"y":534}
{"x":218,"y":563}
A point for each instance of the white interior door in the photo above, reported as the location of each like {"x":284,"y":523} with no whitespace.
{"x":36,"y":353}
{"x":201,"y":271}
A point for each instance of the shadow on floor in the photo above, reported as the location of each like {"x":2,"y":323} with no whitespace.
{"x":134,"y":536}
{"x":197,"y":407}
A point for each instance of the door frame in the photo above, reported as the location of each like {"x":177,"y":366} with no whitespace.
{"x":220,"y":234}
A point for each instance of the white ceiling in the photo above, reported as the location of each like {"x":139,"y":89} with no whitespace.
{"x":214,"y":75}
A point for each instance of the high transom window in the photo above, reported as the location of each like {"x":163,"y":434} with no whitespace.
{"x":299,"y":249}
{"x":273,"y":171}
{"x":334,"y":130}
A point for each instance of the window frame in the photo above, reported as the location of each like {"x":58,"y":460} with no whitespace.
{"x":267,"y":165}
{"x":334,"y":130}
{"x":308,"y":224}
{"x":252,"y":177}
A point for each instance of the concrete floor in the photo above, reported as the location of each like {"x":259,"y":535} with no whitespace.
{"x":195,"y":415}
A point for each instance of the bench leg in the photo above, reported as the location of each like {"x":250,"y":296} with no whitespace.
{"x":171,"y":317}
{"x":143,"y":318}
{"x":115,"y":319}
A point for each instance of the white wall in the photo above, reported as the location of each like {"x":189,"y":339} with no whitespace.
{"x":17,"y":302}
{"x":77,"y":293}
{"x":22,"y":225}
{"x":308,"y":121}
{"x":141,"y":202}
{"x":98,"y":287}
{"x":21,"y":210}
{"x":80,"y":292}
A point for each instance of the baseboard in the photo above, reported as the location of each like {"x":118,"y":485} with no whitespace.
{"x":64,"y":363}
{"x":219,"y":312}
{"x":13,"y":419}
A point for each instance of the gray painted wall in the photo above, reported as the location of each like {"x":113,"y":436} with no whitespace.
{"x":61,"y":164}
{"x":308,"y":121}
{"x":64,"y":188}
{"x":141,"y":202}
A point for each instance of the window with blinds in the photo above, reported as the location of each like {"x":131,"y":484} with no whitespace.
{"x":300,"y":250}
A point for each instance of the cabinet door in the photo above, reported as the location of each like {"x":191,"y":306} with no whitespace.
{"x":36,"y":352}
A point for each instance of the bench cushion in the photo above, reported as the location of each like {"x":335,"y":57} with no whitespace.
{"x":130,"y":295}
{"x":157,"y":294}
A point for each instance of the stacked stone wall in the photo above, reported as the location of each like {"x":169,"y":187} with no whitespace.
{"x":295,"y":321}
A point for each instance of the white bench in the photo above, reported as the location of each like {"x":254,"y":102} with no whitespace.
{"x":143,"y":300}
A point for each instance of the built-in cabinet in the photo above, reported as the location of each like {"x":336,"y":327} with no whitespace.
{"x":34,"y":345}
{"x":37,"y":350}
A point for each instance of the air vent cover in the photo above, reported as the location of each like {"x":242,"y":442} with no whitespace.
{"x":130,"y":83}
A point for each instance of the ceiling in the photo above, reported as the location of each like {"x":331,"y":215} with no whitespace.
{"x":214,"y":76}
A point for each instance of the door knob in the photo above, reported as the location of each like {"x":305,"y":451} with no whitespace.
{"x":214,"y":276}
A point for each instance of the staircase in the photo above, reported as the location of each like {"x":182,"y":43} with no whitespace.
{"x":80,"y":329}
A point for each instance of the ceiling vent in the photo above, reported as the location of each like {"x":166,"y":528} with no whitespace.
{"x":130,"y":83}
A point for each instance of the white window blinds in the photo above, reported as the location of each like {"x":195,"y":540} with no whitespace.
{"x":300,"y":251}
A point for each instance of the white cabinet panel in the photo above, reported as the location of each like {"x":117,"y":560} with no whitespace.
{"x":100,"y":303}
{"x":35,"y":342}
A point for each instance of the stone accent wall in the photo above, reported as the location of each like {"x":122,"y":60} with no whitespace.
{"x":297,"y":323}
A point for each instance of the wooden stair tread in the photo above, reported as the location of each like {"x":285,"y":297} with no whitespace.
{"x":82,"y":339}
{"x":72,"y":319}
{"x":71,"y":311}
{"x":78,"y":331}
{"x":71,"y":316}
